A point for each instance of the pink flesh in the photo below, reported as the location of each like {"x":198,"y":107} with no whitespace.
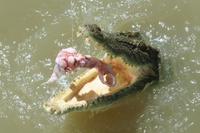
{"x":69,"y":59}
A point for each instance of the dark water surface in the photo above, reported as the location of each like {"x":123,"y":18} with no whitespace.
{"x":33,"y":31}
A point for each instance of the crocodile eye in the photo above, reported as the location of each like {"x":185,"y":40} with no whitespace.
{"x":92,"y":30}
{"x":98,"y":29}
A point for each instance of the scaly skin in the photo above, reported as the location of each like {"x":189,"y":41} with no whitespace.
{"x":132,"y":49}
{"x":130,"y":46}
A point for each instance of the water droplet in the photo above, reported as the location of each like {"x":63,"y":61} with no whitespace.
{"x":186,"y":29}
{"x":185,"y":119}
{"x":162,"y":24}
{"x":175,"y":7}
{"x":193,"y":82}
{"x":27,"y":29}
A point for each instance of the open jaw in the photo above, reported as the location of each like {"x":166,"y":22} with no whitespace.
{"x":131,"y":74}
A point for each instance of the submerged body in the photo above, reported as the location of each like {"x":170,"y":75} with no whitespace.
{"x":134,"y":64}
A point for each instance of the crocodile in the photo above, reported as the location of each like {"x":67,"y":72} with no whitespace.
{"x":135,"y":64}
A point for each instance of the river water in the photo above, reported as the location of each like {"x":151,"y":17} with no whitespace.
{"x":33,"y":31}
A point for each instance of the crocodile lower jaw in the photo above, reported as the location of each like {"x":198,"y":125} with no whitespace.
{"x":87,"y":88}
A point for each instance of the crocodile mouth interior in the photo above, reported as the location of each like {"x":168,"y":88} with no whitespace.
{"x":88,"y":86}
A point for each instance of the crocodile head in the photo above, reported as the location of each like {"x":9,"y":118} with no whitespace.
{"x":135,"y":64}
